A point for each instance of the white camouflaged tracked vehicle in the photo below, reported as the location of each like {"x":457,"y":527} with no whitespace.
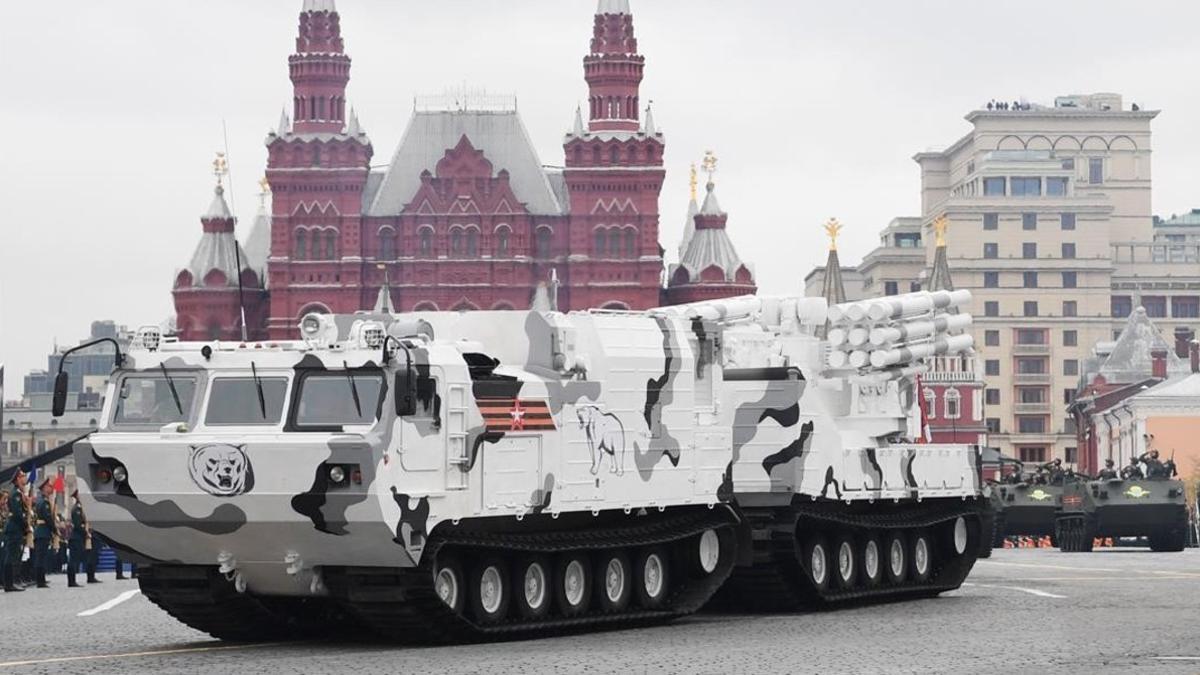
{"x":438,"y":476}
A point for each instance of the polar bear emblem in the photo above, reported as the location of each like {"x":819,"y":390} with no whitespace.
{"x":221,"y":470}
{"x":605,"y":434}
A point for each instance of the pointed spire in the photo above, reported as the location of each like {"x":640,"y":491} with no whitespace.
{"x":218,"y":209}
{"x":689,"y":227}
{"x":648,"y":127}
{"x":383,"y":301}
{"x":352,"y":127}
{"x":939,"y":277}
{"x":834,"y":288}
{"x":285,"y":124}
{"x":711,"y":206}
{"x":613,"y":7}
{"x":578,"y":130}
{"x":319,"y":6}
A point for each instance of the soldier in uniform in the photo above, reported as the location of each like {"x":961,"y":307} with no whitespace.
{"x":1133,"y":471}
{"x":78,"y":544}
{"x":1108,"y":472}
{"x":15,"y":531}
{"x":1055,"y":471}
{"x":43,"y":532}
{"x":1154,"y":466}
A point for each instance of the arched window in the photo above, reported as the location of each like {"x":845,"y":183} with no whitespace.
{"x":614,"y":244}
{"x":301,"y":245}
{"x":472,"y":242}
{"x":425,"y":243}
{"x":930,"y":403}
{"x":502,"y":235}
{"x":600,"y":243}
{"x":953,"y":404}
{"x":595,"y":154}
{"x":630,"y":243}
{"x":614,"y":155}
{"x":542,"y":249}
{"x":330,"y":245}
{"x":456,"y":242}
{"x":578,"y":154}
{"x":387,"y":243}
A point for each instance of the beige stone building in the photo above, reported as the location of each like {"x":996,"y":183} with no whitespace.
{"x":1051,"y":229}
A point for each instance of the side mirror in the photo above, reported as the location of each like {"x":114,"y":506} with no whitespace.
{"x":406,"y":393}
{"x":61,"y":382}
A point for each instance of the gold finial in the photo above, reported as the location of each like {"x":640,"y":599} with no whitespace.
{"x":264,"y":191}
{"x":709,"y":165}
{"x":939,"y":229}
{"x":833,"y":228}
{"x":692,"y":181}
{"x":220,"y":167}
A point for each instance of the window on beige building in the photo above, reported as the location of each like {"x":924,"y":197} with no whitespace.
{"x":1031,"y":336}
{"x":1072,"y":454}
{"x":1070,"y":367}
{"x":1068,"y":250}
{"x":1067,"y":221}
{"x":991,"y":221}
{"x":991,"y":308}
{"x":1122,"y":306}
{"x":1028,"y":221}
{"x":991,"y":396}
{"x":993,"y":185}
{"x":991,"y":250}
{"x":1032,"y":365}
{"x":891,"y":288}
{"x":1070,"y":308}
{"x":1032,"y":453}
{"x":1056,"y":186}
{"x":1031,"y":424}
{"x":1022,"y":186}
{"x":1095,"y":170}
{"x":1029,"y":250}
{"x":991,"y":280}
{"x":1030,"y":279}
{"x":1069,"y":280}
{"x":1070,"y":338}
{"x":991,"y":338}
{"x":1068,"y":396}
{"x":1031,"y":308}
{"x":1185,"y":307}
{"x":1155,"y":306}
{"x":991,"y":367}
{"x":993,"y":425}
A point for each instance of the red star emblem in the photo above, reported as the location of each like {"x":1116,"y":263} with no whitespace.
{"x":518,"y":417}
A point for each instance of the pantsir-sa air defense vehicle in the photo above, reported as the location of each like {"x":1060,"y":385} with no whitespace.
{"x":437,"y":476}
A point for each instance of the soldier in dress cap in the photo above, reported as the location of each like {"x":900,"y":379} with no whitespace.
{"x":43,"y":532}
{"x":77,"y":543}
{"x":16,"y":526}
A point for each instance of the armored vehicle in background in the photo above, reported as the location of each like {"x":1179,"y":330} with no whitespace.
{"x":446,"y":476}
{"x":1024,"y":509}
{"x":1155,"y":508}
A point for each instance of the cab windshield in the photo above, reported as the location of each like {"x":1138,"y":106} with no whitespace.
{"x":237,"y":400}
{"x":149,"y":399}
{"x":338,"y":398}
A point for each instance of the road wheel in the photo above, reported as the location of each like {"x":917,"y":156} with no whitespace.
{"x":573,"y":585}
{"x":491,"y":592}
{"x":531,"y":587}
{"x":707,"y":552}
{"x":895,"y":552}
{"x":614,"y":580}
{"x":960,"y":537}
{"x":846,"y":559}
{"x":921,"y":556}
{"x":815,"y":561}
{"x":651,"y":577}
{"x":871,"y":560}
{"x":449,"y":582}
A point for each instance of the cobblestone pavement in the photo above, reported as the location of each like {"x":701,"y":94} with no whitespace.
{"x":1022,"y":611}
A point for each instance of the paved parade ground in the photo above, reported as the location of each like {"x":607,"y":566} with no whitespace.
{"x":1123,"y":610}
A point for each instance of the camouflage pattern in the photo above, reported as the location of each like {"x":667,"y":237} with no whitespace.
{"x":517,"y":413}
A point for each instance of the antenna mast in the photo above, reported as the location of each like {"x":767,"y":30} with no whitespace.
{"x":237,"y":250}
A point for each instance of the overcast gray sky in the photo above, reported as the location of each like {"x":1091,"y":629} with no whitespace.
{"x":112,"y":112}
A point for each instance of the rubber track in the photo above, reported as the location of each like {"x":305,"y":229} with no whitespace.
{"x":202,"y":598}
{"x":401,"y":604}
{"x":776,"y":581}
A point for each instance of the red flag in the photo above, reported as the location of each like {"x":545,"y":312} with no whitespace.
{"x":59,"y":484}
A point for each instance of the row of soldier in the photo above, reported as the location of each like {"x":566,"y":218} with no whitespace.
{"x":1053,"y":472}
{"x":37,"y":538}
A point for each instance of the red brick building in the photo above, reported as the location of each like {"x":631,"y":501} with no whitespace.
{"x":465,"y":216}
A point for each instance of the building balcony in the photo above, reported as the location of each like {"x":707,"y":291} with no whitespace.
{"x":1032,"y":378}
{"x":1031,"y":350}
{"x":1032,"y":408}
